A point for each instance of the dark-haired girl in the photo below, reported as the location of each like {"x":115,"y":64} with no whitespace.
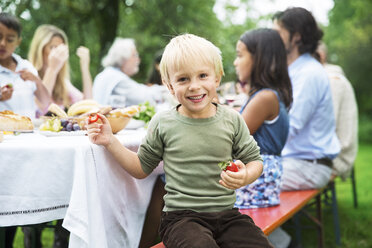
{"x":261,"y":65}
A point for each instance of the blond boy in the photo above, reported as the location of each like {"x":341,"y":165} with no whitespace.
{"x":191,"y":139}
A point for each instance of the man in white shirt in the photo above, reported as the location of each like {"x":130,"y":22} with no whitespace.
{"x":346,"y":114}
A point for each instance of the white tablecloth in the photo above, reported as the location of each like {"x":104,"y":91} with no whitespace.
{"x":48,"y":178}
{"x":36,"y":175}
{"x":107,"y":205}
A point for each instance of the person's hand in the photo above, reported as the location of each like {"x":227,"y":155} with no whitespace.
{"x":6,"y":93}
{"x":235,"y":180}
{"x":83,"y":54}
{"x":27,"y":75}
{"x":99,"y":133}
{"x":58,"y":57}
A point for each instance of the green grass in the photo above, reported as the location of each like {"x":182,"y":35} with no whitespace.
{"x":47,"y":237}
{"x":354,"y":223}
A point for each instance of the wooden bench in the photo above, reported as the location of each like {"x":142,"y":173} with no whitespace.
{"x":291,"y":202}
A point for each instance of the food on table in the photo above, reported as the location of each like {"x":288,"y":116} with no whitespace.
{"x":146,"y":112}
{"x":105,"y":110}
{"x":70,"y":125}
{"x":82,"y":107}
{"x":55,"y":109}
{"x":119,"y":118}
{"x":229,"y":165}
{"x":53,"y":124}
{"x":76,"y":117}
{"x":9,"y":121}
{"x":124,"y":112}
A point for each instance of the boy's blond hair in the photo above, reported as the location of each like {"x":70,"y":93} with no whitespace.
{"x":184,"y":50}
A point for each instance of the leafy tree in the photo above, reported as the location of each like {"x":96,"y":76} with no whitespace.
{"x":96,"y":23}
{"x":350,"y":45}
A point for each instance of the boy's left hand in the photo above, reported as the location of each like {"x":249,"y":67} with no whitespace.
{"x":234,"y":180}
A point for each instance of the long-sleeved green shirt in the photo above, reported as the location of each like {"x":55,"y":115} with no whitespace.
{"x":191,"y":150}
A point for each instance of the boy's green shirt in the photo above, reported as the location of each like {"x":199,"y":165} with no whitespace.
{"x":191,"y":150}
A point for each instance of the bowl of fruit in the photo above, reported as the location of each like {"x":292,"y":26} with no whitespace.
{"x":85,"y":111}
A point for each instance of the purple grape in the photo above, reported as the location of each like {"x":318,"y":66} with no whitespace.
{"x":69,"y":127}
{"x":64,"y":122}
{"x":75,"y":127}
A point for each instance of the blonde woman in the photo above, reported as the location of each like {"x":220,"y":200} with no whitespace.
{"x":49,"y":55}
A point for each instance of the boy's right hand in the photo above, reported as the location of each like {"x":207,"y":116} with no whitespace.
{"x":99,"y":133}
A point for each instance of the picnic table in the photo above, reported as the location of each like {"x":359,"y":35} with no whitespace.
{"x":66,"y":177}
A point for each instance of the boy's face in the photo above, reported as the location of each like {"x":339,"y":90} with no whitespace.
{"x":9,"y":41}
{"x":194,"y":88}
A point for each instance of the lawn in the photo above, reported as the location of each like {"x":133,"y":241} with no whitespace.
{"x":354,"y":222}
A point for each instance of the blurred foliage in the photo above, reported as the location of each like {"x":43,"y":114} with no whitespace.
{"x":349,"y":41}
{"x":152,"y":23}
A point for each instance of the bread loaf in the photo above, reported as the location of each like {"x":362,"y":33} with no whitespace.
{"x":10,"y":121}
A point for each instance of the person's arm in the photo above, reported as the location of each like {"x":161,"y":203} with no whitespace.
{"x":86,"y":77}
{"x":41,"y":92}
{"x":264,"y":106}
{"x":101,"y":134}
{"x":57,"y":58}
{"x":246,"y":175}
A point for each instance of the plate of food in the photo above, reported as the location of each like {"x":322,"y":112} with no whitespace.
{"x":86,"y":110}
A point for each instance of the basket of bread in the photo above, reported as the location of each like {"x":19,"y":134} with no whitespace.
{"x":75,"y":118}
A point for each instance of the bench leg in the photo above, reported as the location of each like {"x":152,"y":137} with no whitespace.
{"x":353,"y":184}
{"x":297,"y":224}
{"x":336,"y":222}
{"x":320,"y":221}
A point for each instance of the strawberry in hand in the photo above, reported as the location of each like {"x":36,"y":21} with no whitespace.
{"x":231,"y":166}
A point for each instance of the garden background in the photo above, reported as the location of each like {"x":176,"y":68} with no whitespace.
{"x":96,"y":23}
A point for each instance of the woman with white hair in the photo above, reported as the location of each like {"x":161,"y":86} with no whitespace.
{"x":113,"y":86}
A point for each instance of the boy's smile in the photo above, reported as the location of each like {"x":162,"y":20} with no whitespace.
{"x":195,"y":88}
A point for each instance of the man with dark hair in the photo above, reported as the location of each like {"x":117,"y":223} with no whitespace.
{"x":312,"y":143}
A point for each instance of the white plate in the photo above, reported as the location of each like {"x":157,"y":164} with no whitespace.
{"x":63,"y":133}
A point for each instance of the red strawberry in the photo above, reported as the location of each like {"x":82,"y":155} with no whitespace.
{"x":231,"y":166}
